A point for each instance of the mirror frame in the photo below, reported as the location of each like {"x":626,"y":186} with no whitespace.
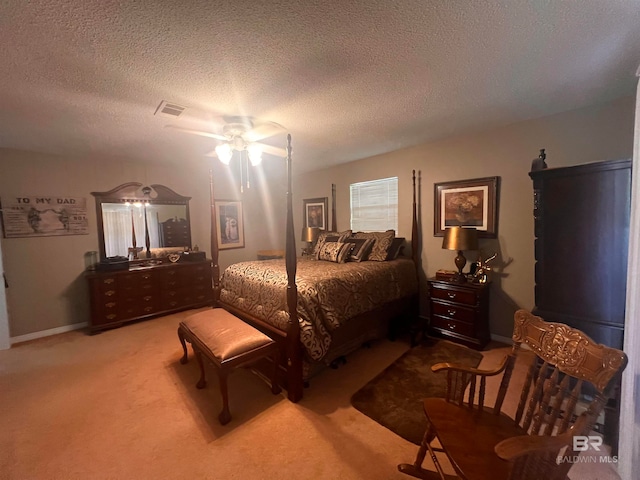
{"x":155,"y":194}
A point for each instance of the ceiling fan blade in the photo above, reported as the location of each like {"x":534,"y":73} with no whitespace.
{"x":262,"y":130}
{"x":275,"y":151}
{"x":202,"y":133}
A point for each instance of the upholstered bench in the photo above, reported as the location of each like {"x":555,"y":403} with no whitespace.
{"x":227,"y":342}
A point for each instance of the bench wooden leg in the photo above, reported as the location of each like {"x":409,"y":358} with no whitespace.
{"x":185,"y":357}
{"x":225,"y":414}
{"x":202,"y":382}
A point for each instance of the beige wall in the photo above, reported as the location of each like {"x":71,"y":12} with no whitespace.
{"x":45,"y":274}
{"x":587,"y":135}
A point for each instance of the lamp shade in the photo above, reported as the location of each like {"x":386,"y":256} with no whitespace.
{"x":224,"y":153}
{"x":255,"y":154}
{"x":458,"y":238}
{"x":310,"y":234}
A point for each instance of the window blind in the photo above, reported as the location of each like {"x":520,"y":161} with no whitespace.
{"x":374,"y":205}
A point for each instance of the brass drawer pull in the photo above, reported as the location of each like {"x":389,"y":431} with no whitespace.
{"x":111,"y":316}
{"x":451,"y":312}
{"x":108,"y":281}
{"x":110,"y":304}
{"x":451,"y":295}
{"x":148,"y":309}
{"x":451,"y":326}
{"x":110,"y":293}
{"x":147,"y":298}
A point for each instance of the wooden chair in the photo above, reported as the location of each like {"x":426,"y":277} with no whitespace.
{"x":482,"y":442}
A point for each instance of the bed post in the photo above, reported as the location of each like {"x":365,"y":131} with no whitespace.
{"x":334,"y":221}
{"x":414,"y":228}
{"x":214,"y":245}
{"x":294,"y":350}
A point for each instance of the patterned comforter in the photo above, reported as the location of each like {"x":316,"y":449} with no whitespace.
{"x":329,"y":294}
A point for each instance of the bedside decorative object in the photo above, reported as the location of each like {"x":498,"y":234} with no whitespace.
{"x":458,"y":238}
{"x":173,"y":257}
{"x":309,"y":235}
{"x":479,"y":274}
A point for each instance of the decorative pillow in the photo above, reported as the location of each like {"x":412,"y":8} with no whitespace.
{"x":382,"y":242}
{"x":322,"y":238}
{"x":335,"y":252}
{"x":396,"y":247}
{"x":361,"y":248}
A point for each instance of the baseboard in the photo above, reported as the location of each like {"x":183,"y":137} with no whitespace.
{"x":501,"y":339}
{"x":46,"y":333}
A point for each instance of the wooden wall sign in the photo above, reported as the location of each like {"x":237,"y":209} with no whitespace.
{"x":43,"y":216}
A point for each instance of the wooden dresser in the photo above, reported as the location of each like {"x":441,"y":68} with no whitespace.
{"x":460,"y":312}
{"x":581,"y":219}
{"x":175,"y":233}
{"x":143,"y":292}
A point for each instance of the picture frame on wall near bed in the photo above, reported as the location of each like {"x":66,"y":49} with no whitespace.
{"x":467,"y":203}
{"x":230,"y":231}
{"x":315,"y":212}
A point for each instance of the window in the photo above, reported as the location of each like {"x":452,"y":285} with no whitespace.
{"x":374,"y":205}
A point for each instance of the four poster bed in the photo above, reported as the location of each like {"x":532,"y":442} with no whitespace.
{"x":330,"y":308}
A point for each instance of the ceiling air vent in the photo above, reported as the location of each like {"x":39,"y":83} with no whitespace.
{"x":167,"y":109}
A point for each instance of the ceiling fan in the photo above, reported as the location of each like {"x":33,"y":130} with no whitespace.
{"x":241,"y":134}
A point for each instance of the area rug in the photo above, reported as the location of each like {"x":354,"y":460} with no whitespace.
{"x":394,"y":397}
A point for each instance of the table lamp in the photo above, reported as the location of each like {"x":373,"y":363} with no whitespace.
{"x":309,"y":235}
{"x":459,"y":238}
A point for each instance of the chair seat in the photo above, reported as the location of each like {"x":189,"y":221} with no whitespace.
{"x":473,"y":450}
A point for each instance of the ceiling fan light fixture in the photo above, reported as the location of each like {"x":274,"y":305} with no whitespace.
{"x":224,"y":153}
{"x":255,"y":154}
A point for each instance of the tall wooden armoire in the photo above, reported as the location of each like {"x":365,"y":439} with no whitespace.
{"x":581,"y":217}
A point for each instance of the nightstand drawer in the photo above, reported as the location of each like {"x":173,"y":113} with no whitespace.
{"x":451,"y":295}
{"x":455,"y":312}
{"x":454,"y":326}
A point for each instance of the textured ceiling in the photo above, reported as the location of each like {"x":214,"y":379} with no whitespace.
{"x":348,"y":79}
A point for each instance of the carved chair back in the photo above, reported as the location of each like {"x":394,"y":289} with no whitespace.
{"x":565,"y":359}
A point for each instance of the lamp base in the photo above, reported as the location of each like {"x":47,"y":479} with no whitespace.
{"x":460,"y":261}
{"x":459,"y":277}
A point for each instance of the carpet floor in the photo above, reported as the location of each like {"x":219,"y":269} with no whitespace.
{"x":119,"y":405}
{"x":394,"y":398}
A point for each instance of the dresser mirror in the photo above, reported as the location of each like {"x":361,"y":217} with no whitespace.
{"x":142,"y":222}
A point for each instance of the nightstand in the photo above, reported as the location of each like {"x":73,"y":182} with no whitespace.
{"x":460,"y":312}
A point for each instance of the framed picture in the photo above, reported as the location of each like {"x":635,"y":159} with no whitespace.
{"x":467,"y":203}
{"x":230,"y":231}
{"x":316,"y":213}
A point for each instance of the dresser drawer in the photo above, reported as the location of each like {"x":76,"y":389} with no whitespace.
{"x":455,"y":312}
{"x":124,"y":296}
{"x":467,"y":297}
{"x":455,"y":326}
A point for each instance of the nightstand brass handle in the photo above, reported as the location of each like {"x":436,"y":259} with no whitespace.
{"x":451,"y":312}
{"x":451,"y":326}
{"x":451,"y":295}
